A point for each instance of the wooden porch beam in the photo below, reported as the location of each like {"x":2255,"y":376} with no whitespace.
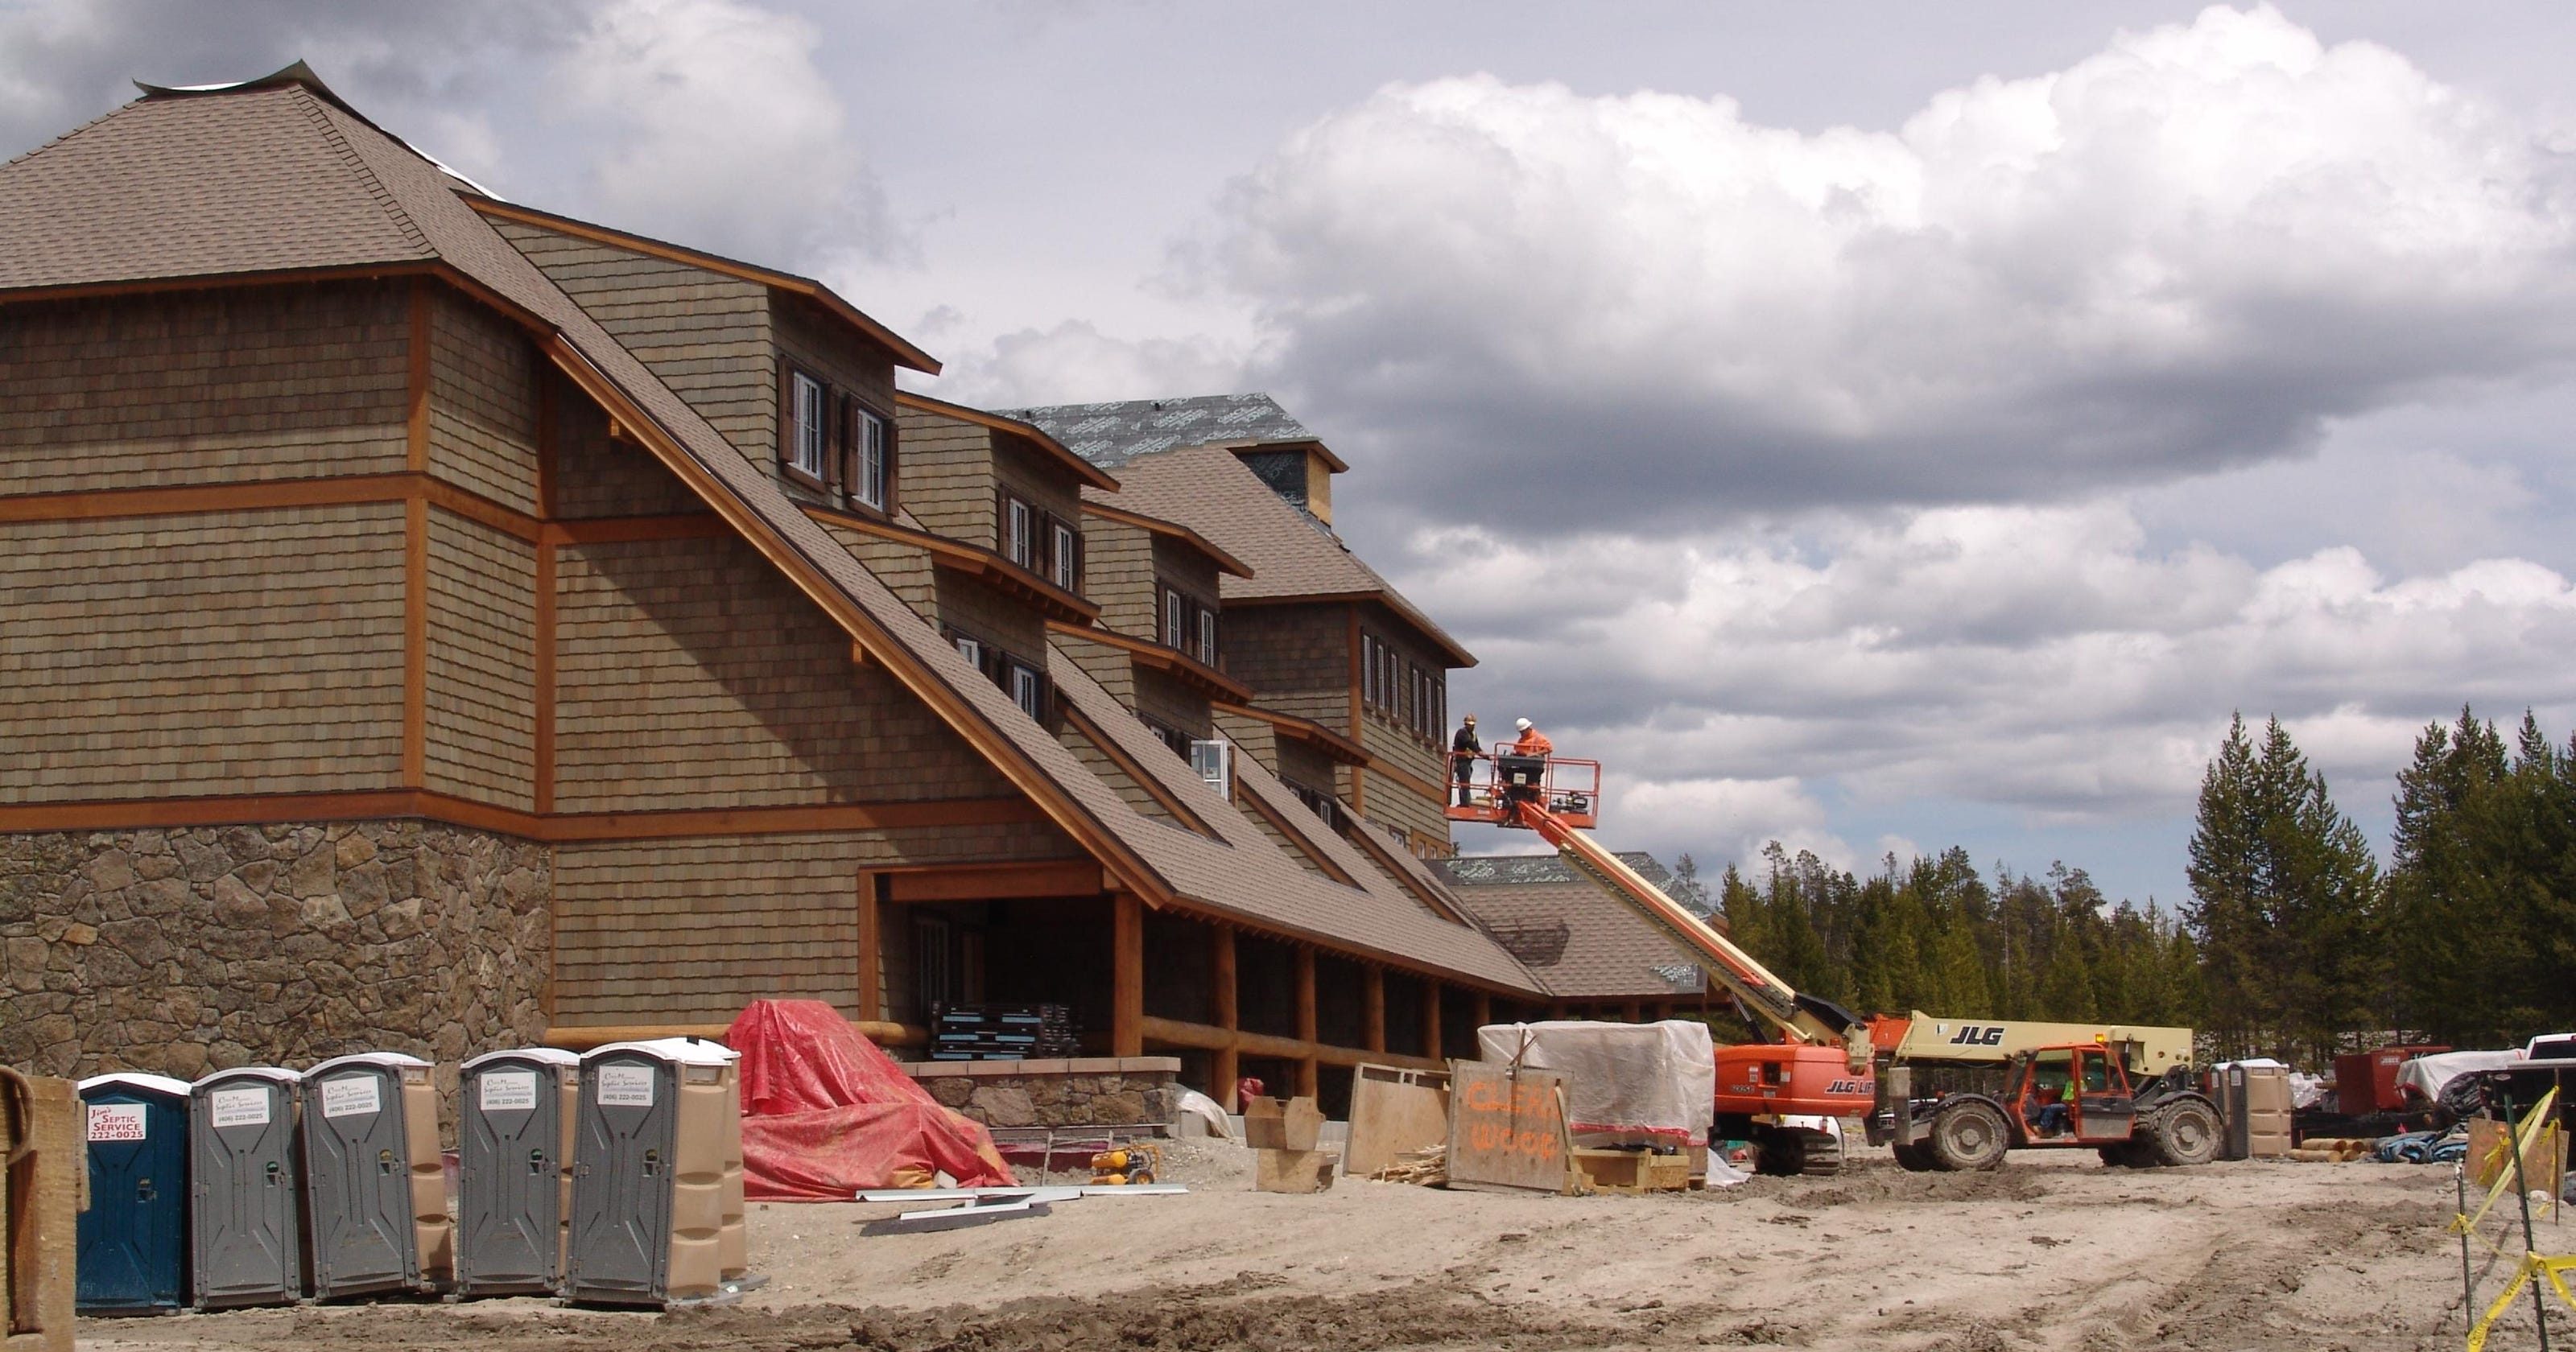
{"x":1127,"y":976}
{"x":992,"y":882}
{"x":1306,"y":1017}
{"x":871,"y":982}
{"x":1224,"y":1065}
{"x":1432,"y":1043}
{"x":1373,"y":1006}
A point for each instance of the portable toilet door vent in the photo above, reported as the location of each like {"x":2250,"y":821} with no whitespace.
{"x":374,"y":1180}
{"x":648,"y":1173}
{"x":514,"y":1182}
{"x":245,"y":1225}
{"x":134,"y":1237}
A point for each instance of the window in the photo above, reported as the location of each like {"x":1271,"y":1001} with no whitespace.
{"x":1368,"y":670}
{"x":809,"y":438}
{"x":1028,"y":690}
{"x":1064,"y":555}
{"x":1403,"y":692}
{"x":1175,"y":620}
{"x":865,"y":481}
{"x":1207,"y":636}
{"x":1172,"y":737}
{"x":971,"y":649}
{"x":1214,"y":761}
{"x":1019,"y":532}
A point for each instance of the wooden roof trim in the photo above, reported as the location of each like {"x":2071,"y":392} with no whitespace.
{"x":208,"y":281}
{"x":974,"y":560}
{"x":1117,"y":755}
{"x":1088,"y":472}
{"x":1331,"y":743}
{"x":905,"y":354}
{"x":1396,"y":605}
{"x":1289,"y":832}
{"x":1024,"y":773}
{"x":1199,"y":675}
{"x":1364,"y":838}
{"x":1171,"y":530}
{"x":1313,"y":444}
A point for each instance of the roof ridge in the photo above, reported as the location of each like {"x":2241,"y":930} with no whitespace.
{"x":311,"y":106}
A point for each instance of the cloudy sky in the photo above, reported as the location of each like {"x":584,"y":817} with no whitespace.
{"x":1872,"y":427}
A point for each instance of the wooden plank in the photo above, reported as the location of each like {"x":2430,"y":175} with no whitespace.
{"x":1127,"y":976}
{"x":1306,"y":1023}
{"x":1373,"y":1006}
{"x":543,"y":766}
{"x":254,"y":809}
{"x":1507,"y":1128}
{"x":989,"y":882}
{"x":1225,"y":1064}
{"x":109,"y":504}
{"x":871,"y":973}
{"x":1394,"y":1111}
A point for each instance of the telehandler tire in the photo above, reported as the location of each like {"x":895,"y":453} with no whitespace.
{"x":2183,"y":1133}
{"x":2127,"y":1155}
{"x":1911,"y":1159}
{"x":1968,"y":1136}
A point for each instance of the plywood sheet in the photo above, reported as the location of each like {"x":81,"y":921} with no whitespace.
{"x":1507,"y":1129}
{"x":1394,"y":1112}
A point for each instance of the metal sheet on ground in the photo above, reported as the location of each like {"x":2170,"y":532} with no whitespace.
{"x":1507,"y":1129}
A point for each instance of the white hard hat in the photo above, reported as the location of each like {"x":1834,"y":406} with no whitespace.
{"x":1522,"y":724}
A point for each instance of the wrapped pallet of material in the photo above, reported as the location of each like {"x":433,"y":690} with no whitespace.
{"x":1625,"y":1083}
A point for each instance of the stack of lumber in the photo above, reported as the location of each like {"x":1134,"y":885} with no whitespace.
{"x":1427,"y":1167}
{"x":1003,"y":1033}
{"x":1283,"y":1137}
{"x":2333,"y":1149}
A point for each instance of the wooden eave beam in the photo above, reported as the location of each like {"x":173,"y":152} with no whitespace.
{"x":1190,"y":671}
{"x":992,"y":882}
{"x":974,"y":561}
{"x":208,"y":281}
{"x":1331,"y":743}
{"x":1170,"y":530}
{"x":905,"y":354}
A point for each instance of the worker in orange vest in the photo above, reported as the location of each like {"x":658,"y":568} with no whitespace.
{"x":1533,"y":742}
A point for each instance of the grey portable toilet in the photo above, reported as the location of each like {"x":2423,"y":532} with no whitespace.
{"x":648,"y":1187}
{"x":375,"y":1183}
{"x":516,"y":1111}
{"x":245,"y":1223}
{"x":133,"y":1256}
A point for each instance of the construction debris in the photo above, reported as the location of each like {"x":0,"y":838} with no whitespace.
{"x":1427,"y":1167}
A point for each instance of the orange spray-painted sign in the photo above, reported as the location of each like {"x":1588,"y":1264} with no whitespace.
{"x":1507,"y":1128}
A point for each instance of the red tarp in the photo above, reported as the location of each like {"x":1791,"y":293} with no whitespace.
{"x":825,"y":1114}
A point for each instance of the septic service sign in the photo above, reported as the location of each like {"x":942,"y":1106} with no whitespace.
{"x":115,"y":1122}
{"x":1506,"y":1129}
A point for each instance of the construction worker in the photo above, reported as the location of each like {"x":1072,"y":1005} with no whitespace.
{"x":1463,"y":751}
{"x":1532,"y":741}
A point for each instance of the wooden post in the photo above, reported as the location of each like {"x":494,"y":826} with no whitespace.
{"x":1482,"y":1009}
{"x":1636,"y":1012}
{"x":1432,"y":1046}
{"x":1373,"y":1007}
{"x":1306,"y":1021}
{"x":1127,"y":975}
{"x":871,"y":970}
{"x":1224,"y":1066}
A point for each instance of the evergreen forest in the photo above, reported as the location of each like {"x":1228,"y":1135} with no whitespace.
{"x":2294,"y":942}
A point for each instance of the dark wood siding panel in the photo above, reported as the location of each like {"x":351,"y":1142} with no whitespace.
{"x":904,"y":568}
{"x":691,"y":930}
{"x":481,"y":675}
{"x":948,"y":477}
{"x":595,"y":476}
{"x":849,"y":361}
{"x":1120,"y":576}
{"x":705,"y":334}
{"x":482,"y":402}
{"x":1167,"y":701}
{"x":222,"y":386}
{"x":972,"y":605}
{"x":690,"y":674}
{"x":249,"y":652}
{"x":1295,"y":658}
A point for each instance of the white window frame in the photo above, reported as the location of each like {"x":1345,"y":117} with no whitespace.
{"x":1018,"y":535}
{"x":1028,"y":690}
{"x":1213,"y":759}
{"x":972,"y":649}
{"x":810,"y":440}
{"x":1207,"y":635}
{"x":1175,"y":620}
{"x":1064,"y":547}
{"x":868,"y":458}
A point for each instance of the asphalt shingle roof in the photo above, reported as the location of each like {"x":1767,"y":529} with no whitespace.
{"x":1110,"y":435}
{"x":182,"y":186}
{"x":1580,"y":942}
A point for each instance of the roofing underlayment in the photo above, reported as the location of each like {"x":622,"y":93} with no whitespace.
{"x":1110,"y":435}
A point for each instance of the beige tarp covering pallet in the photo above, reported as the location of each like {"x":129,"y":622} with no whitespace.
{"x":44,"y":1180}
{"x":1625,"y":1083}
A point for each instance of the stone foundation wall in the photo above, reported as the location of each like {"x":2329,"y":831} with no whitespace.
{"x":184,"y":951}
{"x":1089,"y":1091}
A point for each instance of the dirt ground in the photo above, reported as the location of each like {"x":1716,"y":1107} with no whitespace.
{"x":2053,"y":1252}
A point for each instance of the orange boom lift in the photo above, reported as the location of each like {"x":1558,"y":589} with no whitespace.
{"x":2123,"y":1091}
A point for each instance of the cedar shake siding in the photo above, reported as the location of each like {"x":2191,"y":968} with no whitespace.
{"x":224,"y":386}
{"x":234,"y":653}
{"x":595,"y":476}
{"x":708,"y":336}
{"x":1296,"y":658}
{"x":1118,"y":576}
{"x":482,"y":401}
{"x":480,"y":678}
{"x":947,"y":477}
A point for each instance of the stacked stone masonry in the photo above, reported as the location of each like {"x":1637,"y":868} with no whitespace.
{"x":184,"y":951}
{"x":1096,"y":1091}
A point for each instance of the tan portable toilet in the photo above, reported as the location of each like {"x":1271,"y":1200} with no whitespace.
{"x":375,"y":1185}
{"x":656,"y":1124}
{"x":733,"y":1248}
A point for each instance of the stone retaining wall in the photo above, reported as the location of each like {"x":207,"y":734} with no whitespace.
{"x":1086,"y":1091}
{"x":189,"y":950}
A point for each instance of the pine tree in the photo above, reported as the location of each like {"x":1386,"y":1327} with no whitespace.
{"x":2224,"y":911}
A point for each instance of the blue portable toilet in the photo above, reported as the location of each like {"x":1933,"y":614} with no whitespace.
{"x":133,"y":1254}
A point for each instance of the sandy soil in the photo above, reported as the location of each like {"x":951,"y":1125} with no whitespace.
{"x":2053,"y":1252}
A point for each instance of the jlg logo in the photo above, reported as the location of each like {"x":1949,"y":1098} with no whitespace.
{"x":1970,"y":1035}
{"x":1852,"y":1087}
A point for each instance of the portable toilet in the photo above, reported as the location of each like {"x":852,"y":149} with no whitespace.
{"x":375,"y":1183}
{"x":733,"y":1247}
{"x":244,"y":1219}
{"x":134,"y":1237}
{"x":648,"y":1173}
{"x":514,"y":1185}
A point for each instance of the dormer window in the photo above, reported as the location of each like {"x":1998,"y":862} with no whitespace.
{"x":1064,"y":555}
{"x":865,"y":481}
{"x":809,"y":436}
{"x":1019,"y":532}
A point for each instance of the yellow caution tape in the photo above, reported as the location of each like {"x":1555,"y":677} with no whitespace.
{"x":2522,"y":1138}
{"x":2552,"y":1270}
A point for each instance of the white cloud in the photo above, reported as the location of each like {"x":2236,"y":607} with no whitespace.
{"x":1075,"y":362}
{"x":726,"y":133}
{"x":1733,"y":818}
{"x":2183,"y":252}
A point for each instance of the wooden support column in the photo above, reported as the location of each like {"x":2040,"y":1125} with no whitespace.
{"x":1373,"y":1007}
{"x":1127,"y":975}
{"x":1432,"y":1046}
{"x":415,"y":719}
{"x":1636,"y":1012}
{"x":1306,"y":1021}
{"x":1224,"y":1064}
{"x":871,"y":951}
{"x":1482,"y":1010}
